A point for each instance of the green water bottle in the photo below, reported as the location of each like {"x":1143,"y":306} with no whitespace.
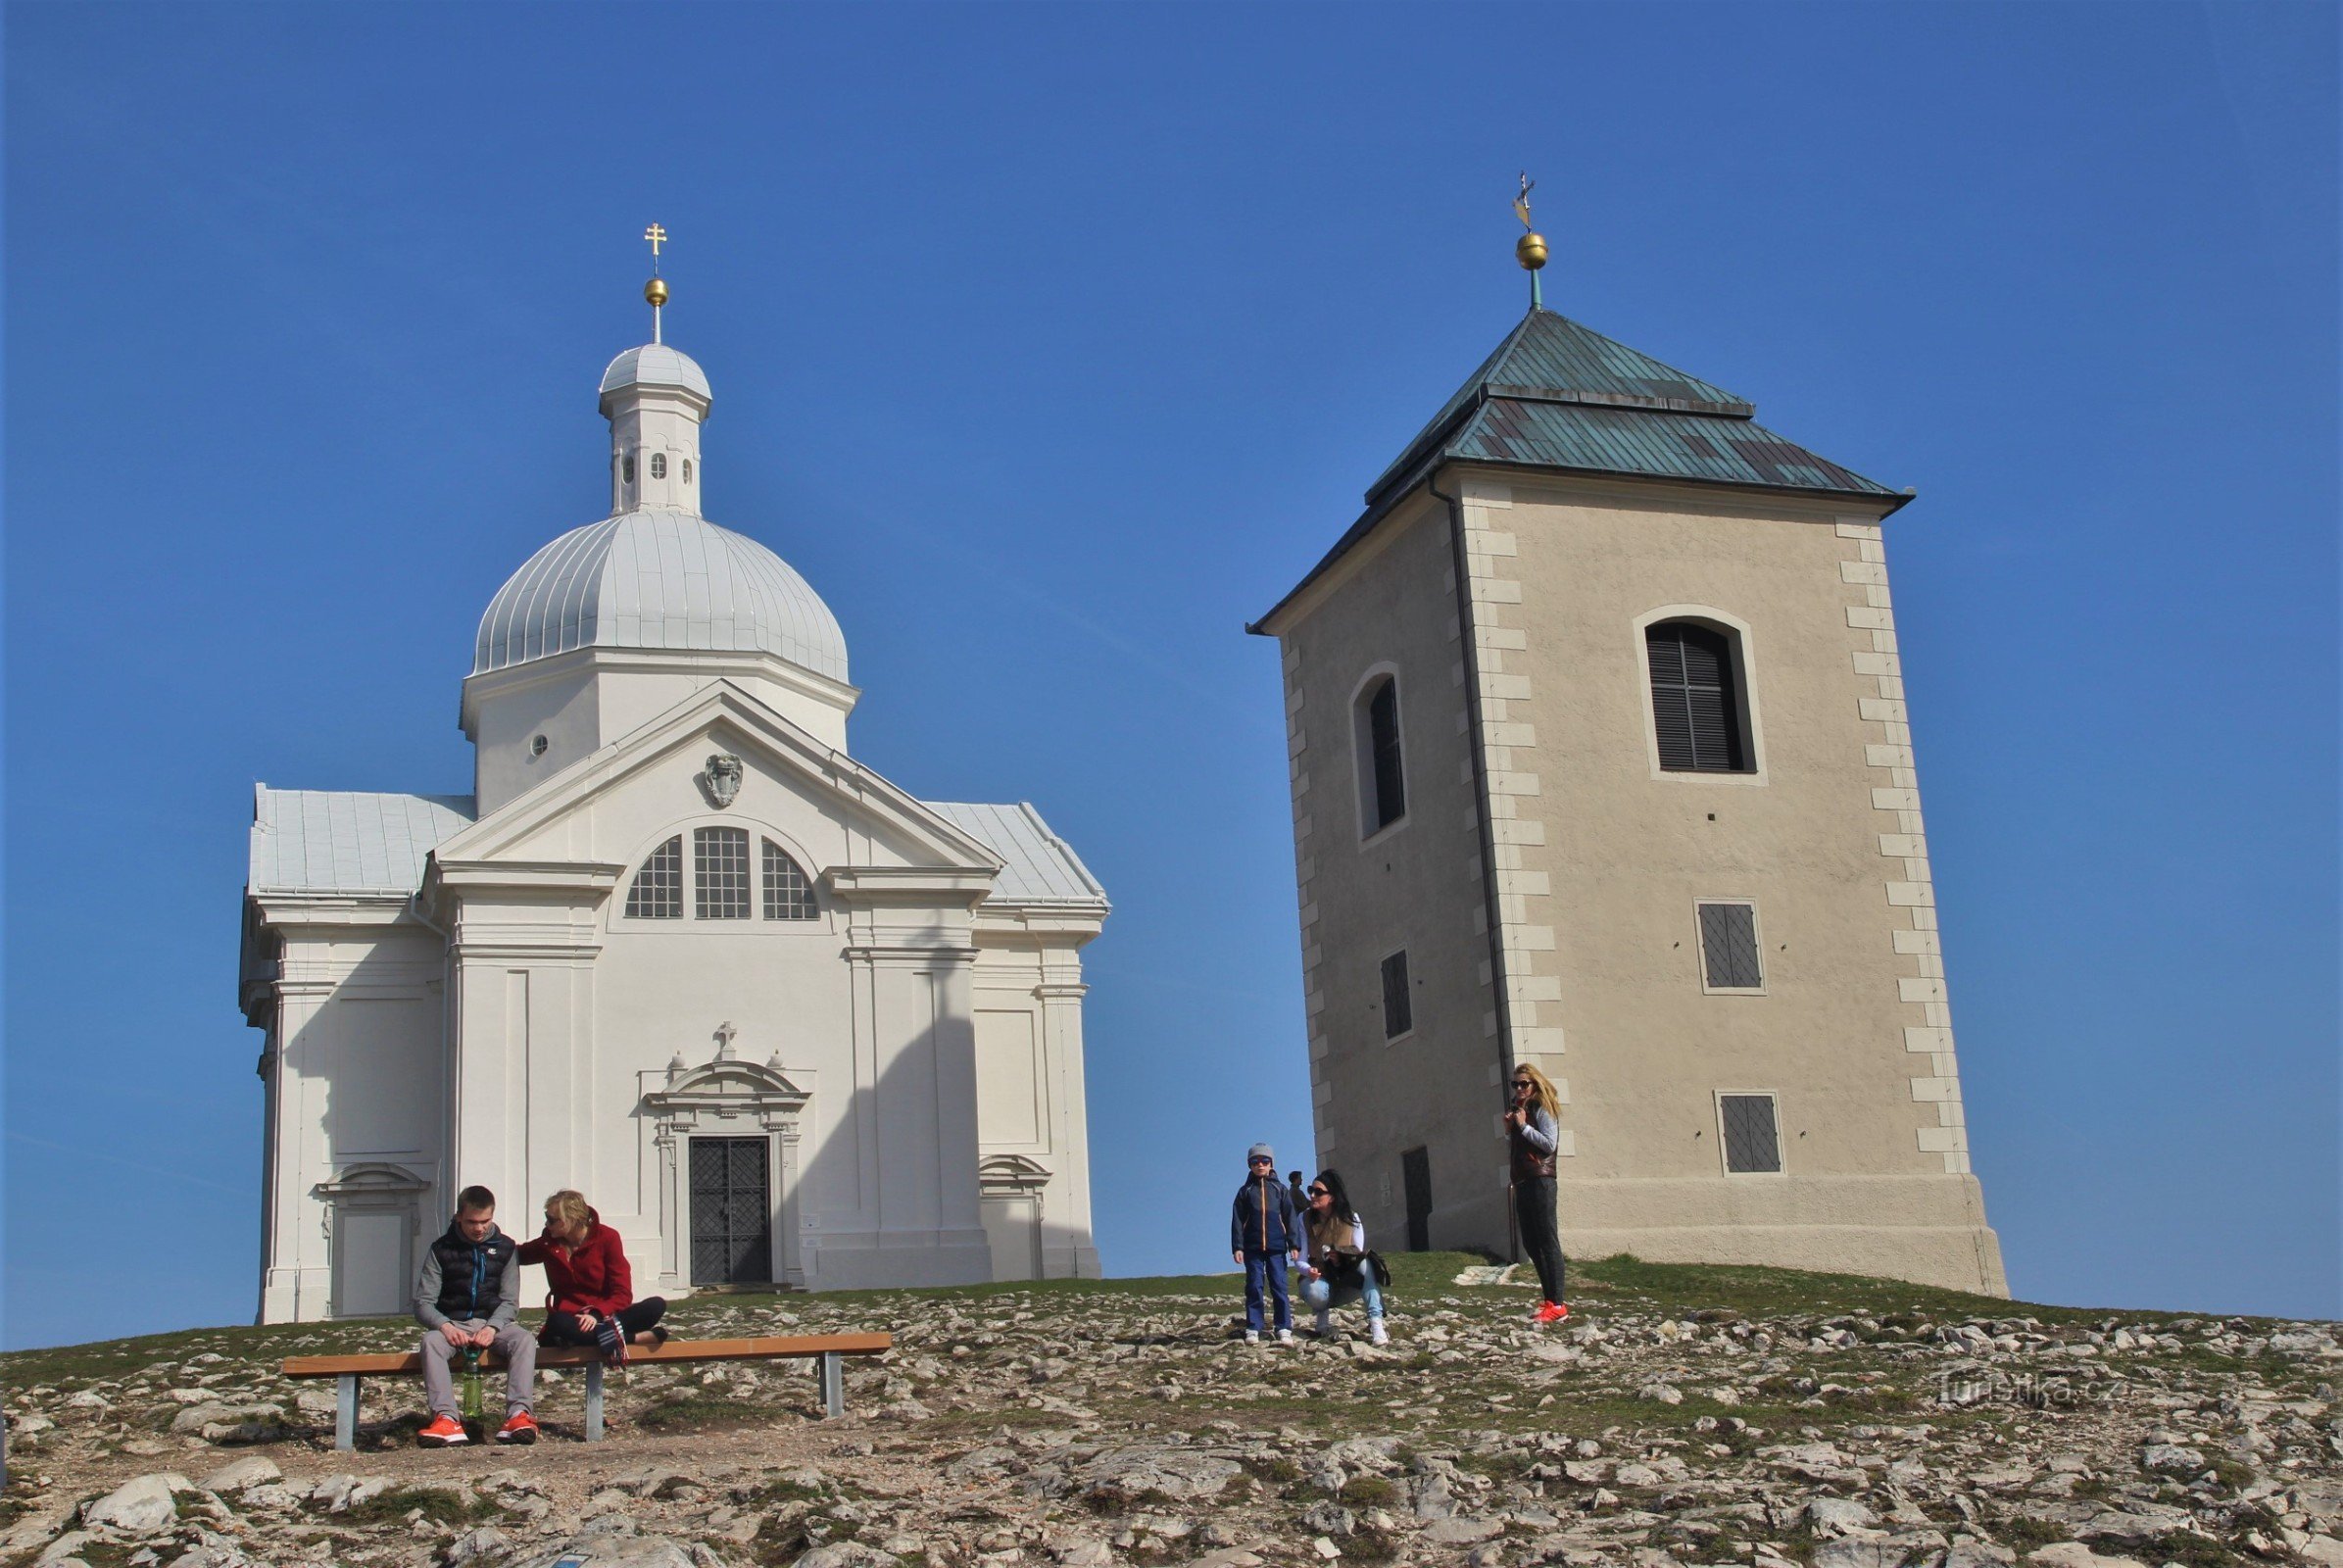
{"x":470,"y":1398}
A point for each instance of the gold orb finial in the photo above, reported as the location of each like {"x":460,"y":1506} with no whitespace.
{"x":655,"y":292}
{"x":1530,"y":251}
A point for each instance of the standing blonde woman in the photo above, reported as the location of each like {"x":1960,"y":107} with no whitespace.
{"x":591,"y":1296}
{"x":1530,"y":1134}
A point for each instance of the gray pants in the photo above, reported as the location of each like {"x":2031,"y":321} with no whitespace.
{"x":516,"y":1344}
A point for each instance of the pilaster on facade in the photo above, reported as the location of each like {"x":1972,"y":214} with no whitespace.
{"x":1306,"y":871}
{"x":1507,"y":742}
{"x":1903,"y":846}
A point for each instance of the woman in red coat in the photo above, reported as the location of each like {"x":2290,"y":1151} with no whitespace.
{"x":591,"y":1296}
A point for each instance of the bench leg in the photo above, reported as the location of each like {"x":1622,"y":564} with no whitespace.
{"x":594,"y":1402}
{"x":345,"y":1411}
{"x":832,"y":1367}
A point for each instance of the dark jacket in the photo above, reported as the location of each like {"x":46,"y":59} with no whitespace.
{"x":592,"y":1277}
{"x":1263,"y":1220}
{"x":1531,"y":1147}
{"x":463,"y":1281}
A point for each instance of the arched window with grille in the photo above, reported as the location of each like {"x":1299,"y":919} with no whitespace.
{"x":720,"y":874}
{"x":1698,"y":705}
{"x":788,"y":892}
{"x":1382,"y":766}
{"x":657,"y":892}
{"x":659,"y":464}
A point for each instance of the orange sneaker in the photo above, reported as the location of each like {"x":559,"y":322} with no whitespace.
{"x":1552,"y":1312}
{"x":519,"y":1427}
{"x":444,"y":1431}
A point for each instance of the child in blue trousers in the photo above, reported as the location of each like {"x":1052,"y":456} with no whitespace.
{"x":1264,"y":1235}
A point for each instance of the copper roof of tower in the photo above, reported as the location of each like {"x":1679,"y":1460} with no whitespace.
{"x":1561,"y":397}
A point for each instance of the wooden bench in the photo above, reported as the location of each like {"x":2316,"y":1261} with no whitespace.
{"x":828,"y":1350}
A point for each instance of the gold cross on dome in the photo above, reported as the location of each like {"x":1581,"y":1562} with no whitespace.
{"x":657,"y":237}
{"x":1521,"y":203}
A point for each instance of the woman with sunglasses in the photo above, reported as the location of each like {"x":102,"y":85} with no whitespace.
{"x":1339,"y":1269}
{"x":1529,"y":1133}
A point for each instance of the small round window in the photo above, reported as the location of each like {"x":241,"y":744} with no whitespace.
{"x":659,"y":464}
{"x":538,"y":745}
{"x":687,"y":470}
{"x":626,"y":468}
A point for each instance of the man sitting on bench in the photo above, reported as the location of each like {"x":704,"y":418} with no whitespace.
{"x":467,"y":1300}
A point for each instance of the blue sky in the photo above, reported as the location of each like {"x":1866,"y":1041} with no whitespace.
{"x":1053,"y":344}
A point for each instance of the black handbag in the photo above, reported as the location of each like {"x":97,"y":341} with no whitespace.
{"x":1383,"y":1270}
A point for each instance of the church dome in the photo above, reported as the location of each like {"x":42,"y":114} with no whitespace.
{"x":659,"y":577}
{"x":656,"y":364}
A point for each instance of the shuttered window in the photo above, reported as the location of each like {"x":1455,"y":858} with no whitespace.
{"x":1752,"y":1138}
{"x":1387,"y":778}
{"x":720,"y":874}
{"x":1398,"y":1015}
{"x":657,"y":892}
{"x":1729,"y":947}
{"x":1696,"y":699}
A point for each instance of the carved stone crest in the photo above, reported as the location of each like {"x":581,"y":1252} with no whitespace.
{"x":721,"y":781}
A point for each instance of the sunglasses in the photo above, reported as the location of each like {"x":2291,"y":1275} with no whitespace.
{"x":1258,"y":1161}
{"x":1317,"y":1192}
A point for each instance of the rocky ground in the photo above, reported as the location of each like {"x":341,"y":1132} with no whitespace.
{"x":1683,"y":1416}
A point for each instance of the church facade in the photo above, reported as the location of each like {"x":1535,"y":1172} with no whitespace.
{"x":1601,"y":760}
{"x":781,"y":1022}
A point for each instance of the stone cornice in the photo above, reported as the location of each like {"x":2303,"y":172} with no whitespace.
{"x":901,"y":886}
{"x":723,"y":663}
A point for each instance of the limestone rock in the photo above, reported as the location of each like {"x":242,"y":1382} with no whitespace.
{"x":139,"y":1508}
{"x":1840,"y":1516}
{"x":1181,"y":1473}
{"x":2075,"y":1554}
{"x":241,"y":1475}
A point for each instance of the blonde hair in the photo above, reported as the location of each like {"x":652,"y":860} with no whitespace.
{"x":1540,"y":1086}
{"x":568,"y":1205}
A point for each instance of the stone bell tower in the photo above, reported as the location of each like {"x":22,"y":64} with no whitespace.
{"x":1600,"y":760}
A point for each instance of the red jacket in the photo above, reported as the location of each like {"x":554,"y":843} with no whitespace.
{"x":592,"y":1277}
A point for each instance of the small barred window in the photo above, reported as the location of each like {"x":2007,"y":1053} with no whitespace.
{"x":787,"y":894}
{"x":659,"y":464}
{"x":626,"y":468}
{"x":720,"y":874}
{"x":1398,"y":1011}
{"x":1752,"y":1135}
{"x":657,"y":890}
{"x":687,"y":470}
{"x":1729,"y":947}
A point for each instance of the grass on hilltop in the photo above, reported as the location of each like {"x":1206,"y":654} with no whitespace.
{"x":1626,"y":1281}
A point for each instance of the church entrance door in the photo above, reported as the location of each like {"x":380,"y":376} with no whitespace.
{"x":732,"y":1211}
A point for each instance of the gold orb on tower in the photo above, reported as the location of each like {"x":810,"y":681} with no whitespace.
{"x":655,"y":292}
{"x":1530,"y":251}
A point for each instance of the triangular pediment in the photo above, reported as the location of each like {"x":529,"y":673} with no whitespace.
{"x":721,"y":719}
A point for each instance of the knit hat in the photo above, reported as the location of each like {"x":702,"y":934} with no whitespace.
{"x":1260,"y":1152}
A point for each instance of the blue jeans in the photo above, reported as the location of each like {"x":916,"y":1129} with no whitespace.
{"x":1324,"y":1292}
{"x":1269,"y":1268}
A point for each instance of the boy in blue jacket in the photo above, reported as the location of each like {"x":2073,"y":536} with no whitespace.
{"x":1264,"y":1235}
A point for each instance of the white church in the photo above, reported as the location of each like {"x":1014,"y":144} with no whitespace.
{"x":784,"y":1024}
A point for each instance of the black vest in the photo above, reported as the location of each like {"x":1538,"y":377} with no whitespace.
{"x":471,"y":1278}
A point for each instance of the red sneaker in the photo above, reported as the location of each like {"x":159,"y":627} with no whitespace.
{"x":1552,"y":1312}
{"x":444,"y":1431}
{"x":519,"y":1427}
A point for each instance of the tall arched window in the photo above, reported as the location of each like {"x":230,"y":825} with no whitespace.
{"x":626,"y":468}
{"x":1697,"y":705}
{"x":1382,"y":770}
{"x":788,"y":892}
{"x":659,"y":464}
{"x":656,"y":892}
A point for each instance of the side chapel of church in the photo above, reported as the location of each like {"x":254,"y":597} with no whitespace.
{"x":780,"y":1021}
